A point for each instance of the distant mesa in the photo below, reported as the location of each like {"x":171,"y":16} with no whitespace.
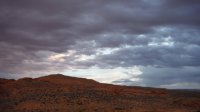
{"x":62,"y":79}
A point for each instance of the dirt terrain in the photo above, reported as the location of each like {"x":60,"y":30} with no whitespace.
{"x":59,"y":93}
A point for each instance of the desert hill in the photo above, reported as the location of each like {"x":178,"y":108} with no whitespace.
{"x":59,"y":93}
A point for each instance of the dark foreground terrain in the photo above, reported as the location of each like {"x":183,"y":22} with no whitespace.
{"x":58,"y":93}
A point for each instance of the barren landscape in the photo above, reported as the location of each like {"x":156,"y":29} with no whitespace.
{"x":59,"y":93}
{"x":99,"y":56}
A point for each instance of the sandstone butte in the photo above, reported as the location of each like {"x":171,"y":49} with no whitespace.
{"x":59,"y":93}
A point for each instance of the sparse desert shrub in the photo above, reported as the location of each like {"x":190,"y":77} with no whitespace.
{"x":118,"y":108}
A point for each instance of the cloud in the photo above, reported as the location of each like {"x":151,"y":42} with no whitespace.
{"x":173,"y":78}
{"x":182,"y":86}
{"x":51,"y":36}
{"x":106,"y":75}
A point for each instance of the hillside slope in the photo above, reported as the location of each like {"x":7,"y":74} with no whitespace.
{"x":59,"y":93}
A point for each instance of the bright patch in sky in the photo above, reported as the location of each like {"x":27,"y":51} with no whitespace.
{"x":163,"y":42}
{"x":70,"y":52}
{"x":105,"y":51}
{"x":83,"y":57}
{"x":107,"y":75}
{"x":57,"y":57}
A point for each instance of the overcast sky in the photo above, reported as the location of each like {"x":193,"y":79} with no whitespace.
{"x":130,"y":42}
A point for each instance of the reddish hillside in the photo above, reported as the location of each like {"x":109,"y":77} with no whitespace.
{"x":59,"y":93}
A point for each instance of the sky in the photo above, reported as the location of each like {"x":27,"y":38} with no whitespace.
{"x":153,"y":43}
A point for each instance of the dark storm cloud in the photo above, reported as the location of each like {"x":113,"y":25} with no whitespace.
{"x":33,"y":31}
{"x":50,"y":23}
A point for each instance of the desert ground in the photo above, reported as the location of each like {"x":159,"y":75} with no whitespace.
{"x":59,"y":93}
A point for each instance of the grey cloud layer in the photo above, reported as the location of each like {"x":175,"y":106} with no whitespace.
{"x":157,"y":77}
{"x":31,"y":31}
